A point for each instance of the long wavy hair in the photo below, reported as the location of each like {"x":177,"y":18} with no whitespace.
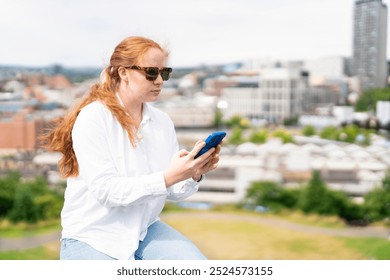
{"x":128,"y":52}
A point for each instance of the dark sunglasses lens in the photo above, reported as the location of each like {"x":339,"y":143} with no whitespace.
{"x":165,"y":74}
{"x":151,"y":73}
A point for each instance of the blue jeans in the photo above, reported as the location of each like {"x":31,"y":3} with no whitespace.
{"x":162,"y":242}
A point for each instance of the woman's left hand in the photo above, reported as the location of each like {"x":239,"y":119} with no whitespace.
{"x":209,"y":165}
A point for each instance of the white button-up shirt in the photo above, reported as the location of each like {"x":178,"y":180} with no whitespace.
{"x":120,"y":189}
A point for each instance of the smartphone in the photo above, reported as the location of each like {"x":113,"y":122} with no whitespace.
{"x":212,"y":141}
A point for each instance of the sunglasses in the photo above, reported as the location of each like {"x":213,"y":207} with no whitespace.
{"x":153,"y":72}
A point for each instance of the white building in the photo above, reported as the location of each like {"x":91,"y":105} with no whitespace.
{"x":190,"y":112}
{"x":383,"y":112}
{"x":277,"y":96}
{"x":282,"y":90}
{"x":243,"y":101}
{"x":335,"y":66}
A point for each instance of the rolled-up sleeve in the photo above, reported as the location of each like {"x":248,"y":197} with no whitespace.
{"x":183,"y":189}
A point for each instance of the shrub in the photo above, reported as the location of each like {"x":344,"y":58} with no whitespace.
{"x":284,"y":135}
{"x":329,"y":132}
{"x":8,"y":184}
{"x":24,"y":208}
{"x":236,"y":137}
{"x":377,"y":202}
{"x":271,"y":195}
{"x":309,"y":130}
{"x":28,"y":201}
{"x":258,"y":136}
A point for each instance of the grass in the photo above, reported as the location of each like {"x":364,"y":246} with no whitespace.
{"x":48,"y":252}
{"x":243,"y":240}
{"x":238,"y":239}
{"x":372,"y":248}
{"x":310,"y":219}
{"x":9,"y":230}
{"x":299,"y":218}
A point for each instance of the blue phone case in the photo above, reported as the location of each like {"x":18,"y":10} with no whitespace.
{"x":212,"y":141}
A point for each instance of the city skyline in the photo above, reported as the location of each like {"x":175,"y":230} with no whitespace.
{"x":84,"y":33}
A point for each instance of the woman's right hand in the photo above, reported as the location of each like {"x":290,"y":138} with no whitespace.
{"x":184,"y":165}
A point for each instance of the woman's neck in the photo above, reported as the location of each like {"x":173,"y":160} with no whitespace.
{"x":133,"y":108}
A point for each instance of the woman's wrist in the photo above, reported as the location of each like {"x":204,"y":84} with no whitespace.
{"x":170,"y":178}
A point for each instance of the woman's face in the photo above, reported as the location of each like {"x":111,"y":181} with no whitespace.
{"x":135,"y":88}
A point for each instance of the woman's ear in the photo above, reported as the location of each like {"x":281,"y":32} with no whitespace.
{"x":122,"y":74}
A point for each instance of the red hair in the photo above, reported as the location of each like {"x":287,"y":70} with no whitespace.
{"x":127,"y":53}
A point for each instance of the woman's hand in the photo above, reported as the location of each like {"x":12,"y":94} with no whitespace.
{"x":210,"y":164}
{"x":184,"y":165}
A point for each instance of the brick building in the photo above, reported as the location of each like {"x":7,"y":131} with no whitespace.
{"x":20,"y":132}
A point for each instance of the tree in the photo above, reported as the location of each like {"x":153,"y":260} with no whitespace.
{"x":48,"y":206}
{"x":24,"y":208}
{"x":367,"y":101}
{"x":8,"y":185}
{"x":316,"y":198}
{"x":47,"y":202}
{"x":350,"y":212}
{"x":377,"y":201}
{"x":28,"y":201}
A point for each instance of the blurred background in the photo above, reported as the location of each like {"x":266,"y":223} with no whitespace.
{"x":301,"y":87}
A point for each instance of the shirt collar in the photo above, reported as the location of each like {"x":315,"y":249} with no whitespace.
{"x":146,"y":116}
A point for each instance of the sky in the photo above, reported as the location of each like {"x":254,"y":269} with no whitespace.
{"x":83,"y":33}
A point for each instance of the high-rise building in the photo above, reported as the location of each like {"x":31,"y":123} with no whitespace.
{"x":369,"y":43}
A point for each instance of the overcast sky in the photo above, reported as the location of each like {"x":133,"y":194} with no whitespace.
{"x":85,"y":32}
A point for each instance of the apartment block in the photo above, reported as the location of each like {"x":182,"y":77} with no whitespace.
{"x":369,"y":43}
{"x":20,"y":132}
{"x":277,"y":97}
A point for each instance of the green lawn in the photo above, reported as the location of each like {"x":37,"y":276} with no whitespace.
{"x":372,"y":248}
{"x":245,"y":240}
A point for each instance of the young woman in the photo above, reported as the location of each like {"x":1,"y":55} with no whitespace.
{"x":121,"y":161}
